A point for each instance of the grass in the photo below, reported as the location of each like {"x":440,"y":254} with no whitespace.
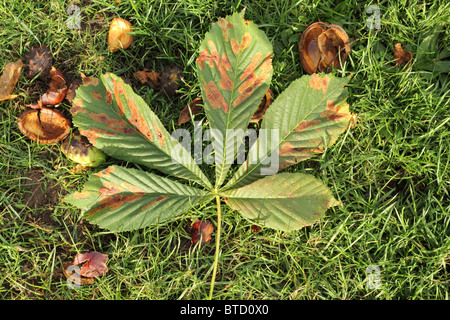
{"x":391,"y":171}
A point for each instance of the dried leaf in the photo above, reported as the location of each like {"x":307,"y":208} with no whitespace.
{"x":196,"y":106}
{"x":265,"y":103}
{"x":401,"y":56}
{"x":38,"y":60}
{"x":94,"y":264}
{"x":201,"y":230}
{"x":169,"y":81}
{"x":9,"y":79}
{"x":44,"y":125}
{"x":79,"y":278}
{"x":70,"y":94}
{"x":148,"y":77}
{"x":323,"y":46}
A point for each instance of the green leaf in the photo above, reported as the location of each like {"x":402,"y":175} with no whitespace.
{"x":120,"y":123}
{"x":302,"y":121}
{"x":234,"y":69}
{"x":285,"y":201}
{"x":121,"y":199}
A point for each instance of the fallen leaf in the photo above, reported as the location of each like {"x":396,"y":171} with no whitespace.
{"x":265,"y":103}
{"x":256,"y":228}
{"x":169,"y":80}
{"x":401,"y":56}
{"x":196,"y":106}
{"x":38,"y":60}
{"x":118,"y":36}
{"x":44,"y":125}
{"x":94,"y":264}
{"x":201,"y":230}
{"x":9,"y":79}
{"x":80,"y":279}
{"x":148,"y":77}
{"x":70,"y":94}
{"x":323,"y":46}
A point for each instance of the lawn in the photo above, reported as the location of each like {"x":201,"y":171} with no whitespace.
{"x":391,"y":171}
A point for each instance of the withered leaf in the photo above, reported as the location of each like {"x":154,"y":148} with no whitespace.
{"x":265,"y":103}
{"x":196,"y":106}
{"x":169,"y":80}
{"x":401,"y":55}
{"x":94,"y":264}
{"x":44,"y":125}
{"x":9,"y":79}
{"x":151,"y":78}
{"x":201,"y":230}
{"x":82,"y":280}
{"x":38,"y":60}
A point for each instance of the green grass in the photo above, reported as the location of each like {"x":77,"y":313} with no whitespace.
{"x":391,"y":171}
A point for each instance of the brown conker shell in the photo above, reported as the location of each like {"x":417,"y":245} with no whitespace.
{"x":118,"y":37}
{"x":44,"y":125}
{"x":322,"y":47}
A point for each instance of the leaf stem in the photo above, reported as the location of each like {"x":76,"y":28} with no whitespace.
{"x":216,"y":255}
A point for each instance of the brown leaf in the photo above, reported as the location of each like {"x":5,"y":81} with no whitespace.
{"x":169,"y":81}
{"x":401,"y":56}
{"x":323,"y":46}
{"x":94,"y":264}
{"x":201,"y":230}
{"x":82,"y":280}
{"x":70,"y":95}
{"x":38,"y":60}
{"x":150,"y":78}
{"x":44,"y":125}
{"x":262,"y":108}
{"x":256,"y":228}
{"x":196,"y":106}
{"x":9,"y":79}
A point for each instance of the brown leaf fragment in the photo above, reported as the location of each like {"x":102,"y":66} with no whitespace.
{"x":151,"y":78}
{"x":170,"y":79}
{"x":70,"y":94}
{"x":401,"y":55}
{"x":78,"y":278}
{"x":44,"y":125}
{"x":201,"y":230}
{"x":262,"y":108}
{"x":9,"y":79}
{"x":94,"y":264}
{"x":196,"y":106}
{"x":38,"y":60}
{"x":256,"y":228}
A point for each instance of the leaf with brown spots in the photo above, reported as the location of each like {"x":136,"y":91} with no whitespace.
{"x":307,"y":117}
{"x":234,"y":67}
{"x":121,"y":199}
{"x":120,"y":123}
{"x":298,"y":200}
